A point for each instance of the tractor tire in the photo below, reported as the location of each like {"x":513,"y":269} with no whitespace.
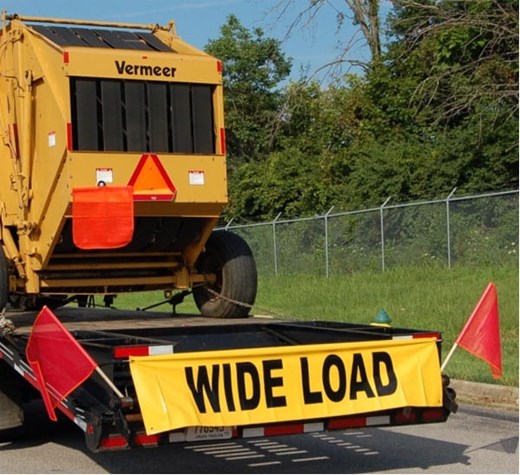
{"x":4,"y":280}
{"x":233,"y":293}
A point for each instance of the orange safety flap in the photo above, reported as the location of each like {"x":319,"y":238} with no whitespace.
{"x":102,"y":217}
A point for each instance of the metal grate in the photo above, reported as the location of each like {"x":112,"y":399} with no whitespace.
{"x":142,"y":116}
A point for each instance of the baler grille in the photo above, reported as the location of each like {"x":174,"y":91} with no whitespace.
{"x":142,"y":116}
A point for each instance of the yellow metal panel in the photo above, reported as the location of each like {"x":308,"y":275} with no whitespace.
{"x":141,"y":65}
{"x":198,"y":179}
{"x":40,"y":170}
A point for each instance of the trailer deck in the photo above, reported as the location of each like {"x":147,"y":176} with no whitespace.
{"x":224,"y":356}
{"x":102,"y":318}
{"x":197,"y":333}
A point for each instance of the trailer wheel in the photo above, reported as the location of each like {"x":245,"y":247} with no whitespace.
{"x":4,"y":280}
{"x":233,"y":292}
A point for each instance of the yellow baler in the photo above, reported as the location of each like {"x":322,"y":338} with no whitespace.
{"x":113,"y":167}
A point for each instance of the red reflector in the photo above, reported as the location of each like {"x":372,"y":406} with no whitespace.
{"x":219,"y":66}
{"x":402,"y":417}
{"x":435,"y":335}
{"x":126,"y":351}
{"x":13,"y":138}
{"x":113,"y":442}
{"x":433,"y":415}
{"x":284,"y":429}
{"x":66,"y":57}
{"x":222,"y":141}
{"x":69,"y":136}
{"x":143,"y":439}
{"x":344,"y":422}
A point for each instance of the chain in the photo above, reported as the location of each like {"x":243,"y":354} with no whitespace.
{"x":6,"y":326}
{"x":271,"y":312}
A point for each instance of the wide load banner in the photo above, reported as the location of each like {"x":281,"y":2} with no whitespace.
{"x":290,"y":383}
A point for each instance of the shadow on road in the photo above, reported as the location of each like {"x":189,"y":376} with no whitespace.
{"x":353,"y":451}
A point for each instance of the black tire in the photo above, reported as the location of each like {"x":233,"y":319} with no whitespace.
{"x":4,"y":280}
{"x":229,"y":257}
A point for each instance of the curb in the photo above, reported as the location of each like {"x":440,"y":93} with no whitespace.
{"x":482,"y":394}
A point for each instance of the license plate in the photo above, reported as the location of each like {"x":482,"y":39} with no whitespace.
{"x":208,"y":433}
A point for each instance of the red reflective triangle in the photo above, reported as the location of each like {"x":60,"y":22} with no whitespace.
{"x":150,"y":180}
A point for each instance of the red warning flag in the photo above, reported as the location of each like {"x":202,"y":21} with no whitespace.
{"x":58,"y":361}
{"x":102,"y":217}
{"x":481,"y":334}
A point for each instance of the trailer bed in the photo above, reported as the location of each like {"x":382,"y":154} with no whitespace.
{"x":236,"y":366}
{"x":102,"y":318}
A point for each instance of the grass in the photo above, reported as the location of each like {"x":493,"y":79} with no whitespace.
{"x":420,"y":298}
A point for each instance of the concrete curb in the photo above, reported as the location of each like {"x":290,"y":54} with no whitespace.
{"x":490,"y":395}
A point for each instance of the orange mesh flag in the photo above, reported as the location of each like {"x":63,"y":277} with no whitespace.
{"x":59,"y":362}
{"x":481,"y":334}
{"x":102,"y":217}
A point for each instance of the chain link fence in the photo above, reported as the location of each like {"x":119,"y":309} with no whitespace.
{"x":470,"y":230}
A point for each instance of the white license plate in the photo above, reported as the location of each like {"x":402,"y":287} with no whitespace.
{"x":207,"y":433}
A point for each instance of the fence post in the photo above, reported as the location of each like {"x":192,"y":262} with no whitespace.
{"x":448,"y":233}
{"x":326,"y":219}
{"x":383,"y":233}
{"x":274,"y":243}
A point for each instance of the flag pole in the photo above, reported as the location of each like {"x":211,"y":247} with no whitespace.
{"x":453,"y":348}
{"x":109,"y":382}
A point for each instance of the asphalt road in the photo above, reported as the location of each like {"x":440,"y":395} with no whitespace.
{"x":475,"y":440}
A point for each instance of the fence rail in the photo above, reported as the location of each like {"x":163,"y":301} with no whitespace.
{"x":477,"y":229}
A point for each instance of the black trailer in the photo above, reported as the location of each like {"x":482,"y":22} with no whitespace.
{"x":108,"y":408}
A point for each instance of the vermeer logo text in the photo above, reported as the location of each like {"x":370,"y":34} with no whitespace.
{"x":144,"y":70}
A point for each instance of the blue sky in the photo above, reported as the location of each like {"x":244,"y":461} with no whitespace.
{"x":197,"y":21}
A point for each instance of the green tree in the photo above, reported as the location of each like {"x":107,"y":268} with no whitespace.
{"x":254,"y":67}
{"x":468,"y":50}
{"x":443,"y":103}
{"x":309,"y":172}
{"x":352,"y":144}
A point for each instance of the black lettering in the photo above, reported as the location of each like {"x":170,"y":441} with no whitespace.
{"x":379,"y":359}
{"x":309,"y":397}
{"x":359,"y":380}
{"x":248,"y":403}
{"x":228,"y":387}
{"x":120,"y":66}
{"x":204,"y":387}
{"x":145,"y":70}
{"x":271,"y":382}
{"x":335,"y":395}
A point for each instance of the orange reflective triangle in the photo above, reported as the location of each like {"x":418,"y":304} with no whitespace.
{"x":150,"y":180}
